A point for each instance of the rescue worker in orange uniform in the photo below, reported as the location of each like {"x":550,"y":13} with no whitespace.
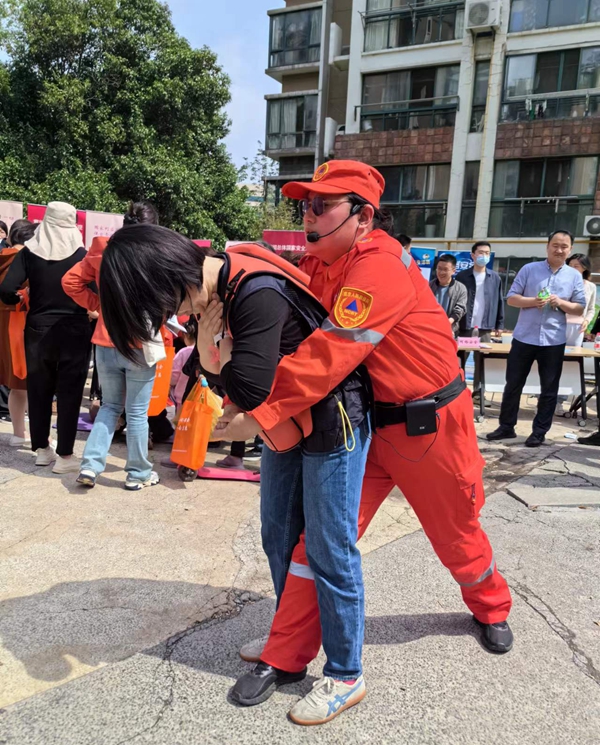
{"x":382,"y":314}
{"x":257,"y":308}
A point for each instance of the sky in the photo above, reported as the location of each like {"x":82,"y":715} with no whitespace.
{"x":238,"y":31}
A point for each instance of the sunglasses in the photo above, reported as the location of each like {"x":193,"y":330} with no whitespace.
{"x":317,"y":204}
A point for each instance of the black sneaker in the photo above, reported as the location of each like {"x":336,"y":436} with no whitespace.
{"x":593,"y":439}
{"x":496,"y":637}
{"x":261,"y":682}
{"x":502,"y":433}
{"x":254,"y":454}
{"x":534,"y":440}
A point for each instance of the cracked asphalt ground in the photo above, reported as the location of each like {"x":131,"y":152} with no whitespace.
{"x":121,"y":616}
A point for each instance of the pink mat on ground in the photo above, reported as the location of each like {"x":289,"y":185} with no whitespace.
{"x":228,"y":474}
{"x":84,"y":423}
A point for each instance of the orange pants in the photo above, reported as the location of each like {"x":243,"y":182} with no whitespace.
{"x":441,"y":477}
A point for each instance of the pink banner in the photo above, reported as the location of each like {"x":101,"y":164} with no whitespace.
{"x":203,"y":244}
{"x":10,"y":211}
{"x":36,"y":212}
{"x":286,"y":240}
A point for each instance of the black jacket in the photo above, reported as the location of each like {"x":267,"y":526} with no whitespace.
{"x":456,"y":301}
{"x":493,"y":314}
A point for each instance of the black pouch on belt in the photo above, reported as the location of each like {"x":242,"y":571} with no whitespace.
{"x":421,"y":417}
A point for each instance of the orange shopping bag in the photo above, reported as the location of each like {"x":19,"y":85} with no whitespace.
{"x":193,"y":428}
{"x":162,"y":383}
{"x":16,"y":337}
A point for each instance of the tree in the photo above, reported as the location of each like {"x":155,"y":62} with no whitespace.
{"x":272,"y":214}
{"x":104,"y":102}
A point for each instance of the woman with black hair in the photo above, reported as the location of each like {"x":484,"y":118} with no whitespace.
{"x":256,"y":308}
{"x":4,"y":242}
{"x":126,"y":383}
{"x":577,"y":325}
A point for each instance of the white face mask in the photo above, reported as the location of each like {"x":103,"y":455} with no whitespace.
{"x":482,"y":260}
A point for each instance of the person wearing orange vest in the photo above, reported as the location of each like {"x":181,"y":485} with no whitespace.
{"x":257,"y":308}
{"x":382,"y":314}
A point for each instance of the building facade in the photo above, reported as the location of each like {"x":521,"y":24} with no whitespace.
{"x":483,"y":115}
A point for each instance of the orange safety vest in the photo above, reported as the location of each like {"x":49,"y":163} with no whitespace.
{"x":250,"y":260}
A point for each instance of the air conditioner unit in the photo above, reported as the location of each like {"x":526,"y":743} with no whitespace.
{"x":591,"y":226}
{"x":482,"y":15}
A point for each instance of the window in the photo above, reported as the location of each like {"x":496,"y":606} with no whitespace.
{"x":410,"y":99}
{"x":589,"y":68}
{"x":529,"y":78}
{"x":400,"y":23}
{"x":470,"y":189}
{"x":417,"y":197}
{"x":480,"y":90}
{"x":531,"y":14}
{"x":292,"y":123}
{"x":471,"y":180}
{"x":295,"y":38}
{"x":534,"y":197}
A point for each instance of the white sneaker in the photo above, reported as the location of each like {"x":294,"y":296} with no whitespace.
{"x":45,"y":456}
{"x":66,"y":465}
{"x":19,"y":442}
{"x":252,"y":651}
{"x":327,"y":699}
{"x":134,"y":485}
{"x":87,"y":478}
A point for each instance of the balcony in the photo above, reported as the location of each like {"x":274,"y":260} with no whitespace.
{"x":294,"y":43}
{"x":419,"y":113}
{"x":576,"y":105}
{"x":531,"y":218}
{"x":426,"y":220}
{"x":291,"y":143}
{"x":419,"y":22}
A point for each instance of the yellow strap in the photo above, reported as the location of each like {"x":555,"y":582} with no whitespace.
{"x":346,"y":419}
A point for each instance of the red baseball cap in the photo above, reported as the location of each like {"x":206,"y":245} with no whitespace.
{"x":340,"y":177}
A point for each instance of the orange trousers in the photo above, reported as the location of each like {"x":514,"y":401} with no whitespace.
{"x":441,"y":476}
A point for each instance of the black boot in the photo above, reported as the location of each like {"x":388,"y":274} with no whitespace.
{"x":261,"y":682}
{"x":496,"y":637}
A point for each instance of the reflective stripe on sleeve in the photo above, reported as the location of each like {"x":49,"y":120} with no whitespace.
{"x":361,"y":335}
{"x":488,"y":573}
{"x":301,"y":570}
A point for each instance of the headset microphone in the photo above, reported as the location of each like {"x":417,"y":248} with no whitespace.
{"x":314,"y":237}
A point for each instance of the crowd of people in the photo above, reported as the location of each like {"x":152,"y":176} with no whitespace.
{"x":346,"y":367}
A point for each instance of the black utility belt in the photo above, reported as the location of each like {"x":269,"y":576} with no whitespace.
{"x":420,"y":415}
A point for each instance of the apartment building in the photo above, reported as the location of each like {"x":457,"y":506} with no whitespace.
{"x":483,"y":115}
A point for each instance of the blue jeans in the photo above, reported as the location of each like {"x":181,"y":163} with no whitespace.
{"x":321,"y":493}
{"x":125,"y":385}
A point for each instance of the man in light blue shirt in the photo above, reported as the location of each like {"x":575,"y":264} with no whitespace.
{"x":545,"y":291}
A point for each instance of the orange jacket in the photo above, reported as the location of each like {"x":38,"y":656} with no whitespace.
{"x":76,"y":284}
{"x":382,"y":313}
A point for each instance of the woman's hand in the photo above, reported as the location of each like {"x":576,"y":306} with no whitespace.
{"x":209,"y":325}
{"x":229,"y":413}
{"x":584,"y":325}
{"x":241,"y":428}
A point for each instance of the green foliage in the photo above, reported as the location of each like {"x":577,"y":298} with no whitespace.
{"x":104,"y":102}
{"x":271,"y":214}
